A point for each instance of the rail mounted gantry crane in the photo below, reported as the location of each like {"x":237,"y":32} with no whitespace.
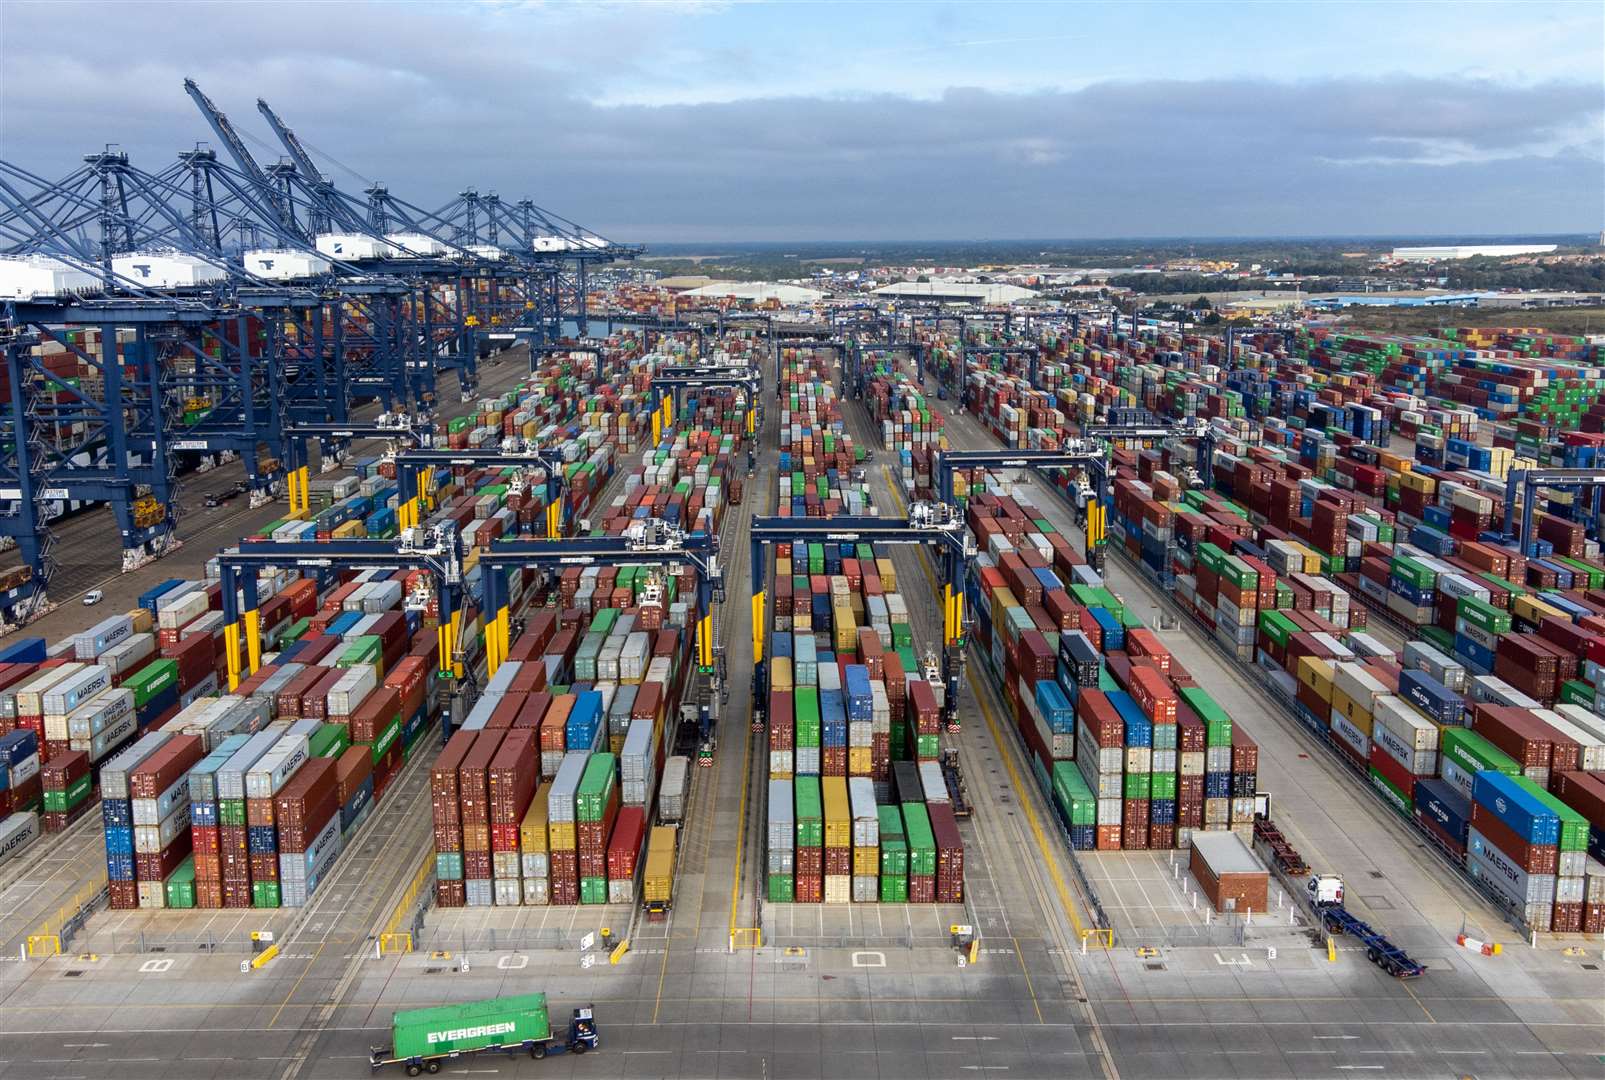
{"x":670,"y":383}
{"x":647,"y":543}
{"x":414,"y":468}
{"x":937,"y":525}
{"x":858,"y":349}
{"x":437,"y":549}
{"x":814,"y":342}
{"x":1521,"y":489}
{"x":1087,"y":455}
{"x":1196,"y":428}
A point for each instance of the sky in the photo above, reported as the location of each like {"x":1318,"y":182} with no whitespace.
{"x":708,"y":121}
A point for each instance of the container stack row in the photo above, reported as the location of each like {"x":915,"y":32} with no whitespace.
{"x":849,"y":700}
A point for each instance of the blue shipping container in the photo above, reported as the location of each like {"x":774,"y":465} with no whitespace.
{"x":1516,"y":807}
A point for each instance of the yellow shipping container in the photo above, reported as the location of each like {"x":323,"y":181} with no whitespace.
{"x":888,"y":574}
{"x":1531,"y":609}
{"x":866,"y":861}
{"x":563,"y":835}
{"x":860,"y":760}
{"x":846,"y":629}
{"x":838,"y":812}
{"x":1351,"y":710}
{"x":657,"y":881}
{"x":142,"y":619}
{"x":532,"y":830}
{"x":780,"y":673}
{"x":1414,"y":481}
{"x":1317,"y":675}
{"x":1002,"y":599}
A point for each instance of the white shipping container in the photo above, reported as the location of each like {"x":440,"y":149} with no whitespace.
{"x":274,"y":769}
{"x":154,"y":839}
{"x":102,"y":636}
{"x":30,"y":699}
{"x":114,"y":775}
{"x":170,"y":615}
{"x":130,"y":655}
{"x":352,"y":688}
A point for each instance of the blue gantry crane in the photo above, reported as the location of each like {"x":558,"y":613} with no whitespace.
{"x":937,"y":525}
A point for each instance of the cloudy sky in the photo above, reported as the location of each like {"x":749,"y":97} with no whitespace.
{"x":776,"y":121}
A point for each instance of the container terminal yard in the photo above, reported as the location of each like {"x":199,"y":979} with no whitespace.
{"x":885,"y":690}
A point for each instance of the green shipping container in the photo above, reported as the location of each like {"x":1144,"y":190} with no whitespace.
{"x":1474,"y":753}
{"x":1407,"y":569}
{"x":1573,"y":826}
{"x":1483,"y":615}
{"x":59,"y":802}
{"x":1163,"y":786}
{"x":596,"y":787}
{"x":1395,"y":797}
{"x":1217,"y":724}
{"x":1277,"y":627}
{"x":593,"y":890}
{"x":231,"y":812}
{"x":810,"y":812}
{"x":894,"y":889}
{"x":151,"y":680}
{"x":180,"y":887}
{"x":781,"y":889}
{"x":1073,"y":795}
{"x":385,"y":739}
{"x":1139,"y":785}
{"x":921,"y":841}
{"x":927,"y":747}
{"x":330,"y":740}
{"x":894,"y":858}
{"x":1575,"y":692}
{"x":265,"y":894}
{"x":448,"y":1029}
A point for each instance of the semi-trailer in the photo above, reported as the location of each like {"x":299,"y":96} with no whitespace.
{"x":421,"y":1040}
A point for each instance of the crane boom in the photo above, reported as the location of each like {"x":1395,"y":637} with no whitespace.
{"x":242,"y":157}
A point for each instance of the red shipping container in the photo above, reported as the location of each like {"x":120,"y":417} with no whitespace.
{"x":514,"y":774}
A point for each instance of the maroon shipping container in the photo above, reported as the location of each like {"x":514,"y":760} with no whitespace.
{"x":514,"y":773}
{"x":166,"y":767}
{"x":350,"y":770}
{"x":810,"y":889}
{"x":305,"y":804}
{"x":124,"y":895}
{"x":626,"y":844}
{"x":1191,"y":734}
{"x":809,"y":861}
{"x":158,"y":867}
{"x":374,"y":715}
{"x":473,"y":778}
{"x":1567,"y":918}
{"x":451,"y":893}
{"x":533,"y":711}
{"x":315,"y":702}
{"x":921,"y":889}
{"x":949,"y":854}
{"x":1094,"y":709}
{"x":1533,"y":858}
{"x":838,"y":861}
{"x":62,"y":769}
{"x":287,"y":702}
{"x":1515,"y":731}
{"x":443,"y":778}
{"x":1583,"y":792}
{"x":1245,"y":751}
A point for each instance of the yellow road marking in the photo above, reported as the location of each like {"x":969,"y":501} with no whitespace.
{"x":1065,"y":899}
{"x":291,"y":995}
{"x":1019,"y":956}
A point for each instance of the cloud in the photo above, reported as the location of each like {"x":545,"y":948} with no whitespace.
{"x":432,"y":98}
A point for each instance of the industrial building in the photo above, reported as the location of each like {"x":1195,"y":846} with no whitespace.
{"x":1469,"y":251}
{"x":948,"y":292}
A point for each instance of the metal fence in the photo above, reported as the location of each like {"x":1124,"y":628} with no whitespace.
{"x":124,"y":943}
{"x":490,"y":939}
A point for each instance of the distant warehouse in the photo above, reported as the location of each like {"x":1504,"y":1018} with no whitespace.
{"x":1469,"y":251}
{"x":955,"y":292}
